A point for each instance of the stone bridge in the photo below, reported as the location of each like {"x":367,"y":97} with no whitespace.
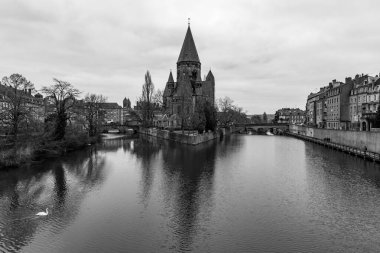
{"x":262,"y":127}
{"x":119,"y":128}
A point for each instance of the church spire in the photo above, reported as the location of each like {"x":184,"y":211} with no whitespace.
{"x":188,"y":51}
{"x":170,"y":80}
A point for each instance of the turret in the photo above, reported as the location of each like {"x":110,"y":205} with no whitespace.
{"x":210,"y":76}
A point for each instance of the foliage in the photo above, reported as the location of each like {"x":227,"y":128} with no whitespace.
{"x":64,"y":96}
{"x":92,"y":113}
{"x":276,"y":117}
{"x":256,"y":119}
{"x":265,"y":117}
{"x":198,"y":119}
{"x":229,"y":113}
{"x":158,"y":98}
{"x":210,"y":116}
{"x":146,"y":100}
{"x":204,"y":117}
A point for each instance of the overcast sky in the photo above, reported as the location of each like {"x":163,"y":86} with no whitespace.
{"x":264,"y":54}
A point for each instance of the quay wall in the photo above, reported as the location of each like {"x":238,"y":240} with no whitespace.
{"x":179,"y":137}
{"x":356,"y":139}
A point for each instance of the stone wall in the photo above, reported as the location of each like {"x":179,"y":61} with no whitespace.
{"x":357,"y":139}
{"x":179,"y":137}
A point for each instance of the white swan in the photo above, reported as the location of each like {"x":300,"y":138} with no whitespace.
{"x":43,"y":213}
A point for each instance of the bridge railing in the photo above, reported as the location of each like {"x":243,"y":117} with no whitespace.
{"x":261,"y":124}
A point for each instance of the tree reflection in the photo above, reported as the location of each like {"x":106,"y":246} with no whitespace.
{"x":59,"y":184}
{"x":24,"y":192}
{"x":146,"y":149}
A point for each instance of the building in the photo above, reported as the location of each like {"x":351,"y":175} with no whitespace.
{"x":126,"y":103}
{"x":351,"y":105}
{"x":337,"y":105}
{"x":364,"y":101}
{"x":316,"y":109}
{"x":290,"y":116}
{"x":34,"y":104}
{"x":328,"y":108}
{"x":113,"y":113}
{"x":181,"y":97}
{"x":311,"y":109}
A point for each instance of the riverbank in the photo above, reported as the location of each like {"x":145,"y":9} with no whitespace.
{"x":359,"y":143}
{"x":40,"y":148}
{"x":188,"y":137}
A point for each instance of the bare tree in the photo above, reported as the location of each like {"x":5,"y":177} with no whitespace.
{"x":146,"y":100}
{"x":230,"y":113}
{"x":64,"y":95}
{"x":225,"y":104}
{"x":93,"y":113}
{"x":226,"y":107}
{"x":158,"y":98}
{"x":16,"y":109}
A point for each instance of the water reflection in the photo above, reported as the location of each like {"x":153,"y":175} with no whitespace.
{"x":239,"y":194}
{"x":187,"y":181}
{"x":342,"y":196}
{"x":59,"y":184}
{"x":189,"y":177}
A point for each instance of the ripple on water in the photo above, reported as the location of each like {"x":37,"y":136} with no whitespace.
{"x":242,"y":194}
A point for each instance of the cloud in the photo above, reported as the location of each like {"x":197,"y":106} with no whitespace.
{"x":264,"y":54}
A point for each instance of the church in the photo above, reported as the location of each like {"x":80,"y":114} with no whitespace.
{"x":181,"y":97}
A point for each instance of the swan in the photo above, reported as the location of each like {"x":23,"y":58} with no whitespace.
{"x":43,"y":213}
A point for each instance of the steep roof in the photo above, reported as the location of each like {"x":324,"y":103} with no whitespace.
{"x":209,"y":76}
{"x":109,"y":106}
{"x":170,"y":80}
{"x":188,"y":51}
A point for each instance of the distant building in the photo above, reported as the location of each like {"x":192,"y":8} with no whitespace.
{"x":35,"y":104}
{"x":127,"y":103}
{"x":113,"y":113}
{"x":258,"y":118}
{"x":290,"y":116}
{"x":131,"y":118}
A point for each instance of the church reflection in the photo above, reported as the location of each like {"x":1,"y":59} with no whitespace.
{"x":193,"y":170}
{"x":187,"y":175}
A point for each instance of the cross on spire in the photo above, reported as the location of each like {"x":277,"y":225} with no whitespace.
{"x":188,"y":21}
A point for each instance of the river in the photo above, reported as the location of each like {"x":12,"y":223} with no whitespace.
{"x":244,"y":193}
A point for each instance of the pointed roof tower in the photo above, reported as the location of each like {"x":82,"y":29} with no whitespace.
{"x":171,"y":79}
{"x":210,"y":76}
{"x":188,"y":51}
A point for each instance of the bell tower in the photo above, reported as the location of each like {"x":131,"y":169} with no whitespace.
{"x":188,"y":64}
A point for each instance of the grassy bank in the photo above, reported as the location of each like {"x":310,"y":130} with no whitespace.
{"x":39,"y":148}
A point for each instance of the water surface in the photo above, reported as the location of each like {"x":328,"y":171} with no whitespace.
{"x":242,"y":194}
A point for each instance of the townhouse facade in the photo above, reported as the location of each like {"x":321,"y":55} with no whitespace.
{"x":290,"y":116}
{"x":349,"y":105}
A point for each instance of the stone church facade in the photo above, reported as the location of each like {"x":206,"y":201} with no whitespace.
{"x":181,"y":97}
